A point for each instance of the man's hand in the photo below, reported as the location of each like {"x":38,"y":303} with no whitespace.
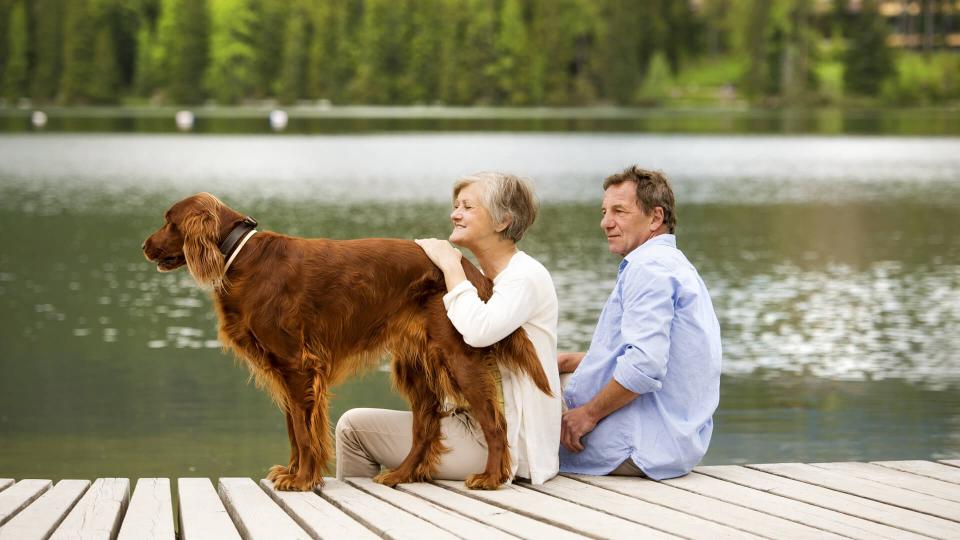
{"x":567,"y":362}
{"x":575,"y":424}
{"x":580,"y":421}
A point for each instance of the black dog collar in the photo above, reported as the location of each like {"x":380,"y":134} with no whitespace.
{"x":240,"y":231}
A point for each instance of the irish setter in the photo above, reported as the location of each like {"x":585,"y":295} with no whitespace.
{"x":306,"y":313}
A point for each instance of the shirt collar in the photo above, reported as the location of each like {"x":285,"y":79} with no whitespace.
{"x":668,"y":240}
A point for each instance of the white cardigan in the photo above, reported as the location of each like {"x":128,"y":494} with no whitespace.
{"x":523,"y":295}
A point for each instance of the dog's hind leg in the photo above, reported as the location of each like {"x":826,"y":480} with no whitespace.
{"x":478,"y":388}
{"x":427,"y":447}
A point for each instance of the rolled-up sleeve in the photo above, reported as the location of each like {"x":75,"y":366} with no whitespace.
{"x":484,"y":323}
{"x":648,"y":309}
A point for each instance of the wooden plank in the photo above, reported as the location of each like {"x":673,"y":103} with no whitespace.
{"x":930,"y":469}
{"x":40,"y":519}
{"x":17,"y":498}
{"x":97,"y":515}
{"x":201,"y":511}
{"x":494,"y":516}
{"x":150,"y":514}
{"x":905,"y":480}
{"x":835,"y":500}
{"x":5,"y":483}
{"x":459,"y":525}
{"x":636,"y":510}
{"x":385,"y":520}
{"x":731,"y":515}
{"x":865,"y":488}
{"x":793,"y":510}
{"x":318,"y":517}
{"x":558,"y":512}
{"x":257,"y":517}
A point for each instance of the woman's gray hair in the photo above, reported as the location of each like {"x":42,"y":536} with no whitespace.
{"x":508,"y":198}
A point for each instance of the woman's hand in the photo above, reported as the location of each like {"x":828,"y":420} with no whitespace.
{"x":441,"y":252}
{"x":446,"y":257}
{"x":567,"y":362}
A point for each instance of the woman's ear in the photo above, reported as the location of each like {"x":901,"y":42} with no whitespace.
{"x":504,"y":224}
{"x":200,"y":248}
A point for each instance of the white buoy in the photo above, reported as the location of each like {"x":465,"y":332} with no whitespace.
{"x":38,"y":119}
{"x":278,"y":119}
{"x":184,"y":120}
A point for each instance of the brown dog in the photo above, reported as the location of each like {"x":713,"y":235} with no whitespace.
{"x":306,"y":313}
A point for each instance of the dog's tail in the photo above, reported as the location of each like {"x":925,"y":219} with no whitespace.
{"x":516,"y":353}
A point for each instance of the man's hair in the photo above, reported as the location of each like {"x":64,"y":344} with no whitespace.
{"x":653,"y":189}
{"x":508,"y":198}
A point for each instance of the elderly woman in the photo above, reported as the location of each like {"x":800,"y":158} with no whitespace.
{"x":491,"y":212}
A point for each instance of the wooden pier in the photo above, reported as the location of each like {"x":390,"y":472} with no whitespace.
{"x":887,"y":499}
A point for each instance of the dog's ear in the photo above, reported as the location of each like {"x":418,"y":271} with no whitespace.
{"x":201,"y":230}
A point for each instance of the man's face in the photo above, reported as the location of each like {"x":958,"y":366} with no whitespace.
{"x":624,"y":223}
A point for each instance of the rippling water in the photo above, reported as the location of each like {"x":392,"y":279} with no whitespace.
{"x":833,"y":262}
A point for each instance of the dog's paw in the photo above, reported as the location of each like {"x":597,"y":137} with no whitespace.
{"x":483,"y":481}
{"x":277,"y":471}
{"x":292,"y":482}
{"x":390,"y":478}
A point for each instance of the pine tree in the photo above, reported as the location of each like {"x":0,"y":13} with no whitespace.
{"x":797,"y":75}
{"x":78,"y":51}
{"x":180,"y":58}
{"x":867,"y":61}
{"x":145,"y":75}
{"x":512,"y":64}
{"x":15,"y":68}
{"x":293,"y":72}
{"x":562,"y":40}
{"x":618,"y":64}
{"x":48,"y":48}
{"x":475,"y":82}
{"x":453,"y":17}
{"x":656,"y":81}
{"x":270,"y":40}
{"x":332,"y":54}
{"x":231,"y":75}
{"x":421,"y":77}
{"x":759,"y":43}
{"x":383,"y":41}
{"x":105,"y":73}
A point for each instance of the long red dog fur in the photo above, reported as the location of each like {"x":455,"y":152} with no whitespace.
{"x":304,"y":314}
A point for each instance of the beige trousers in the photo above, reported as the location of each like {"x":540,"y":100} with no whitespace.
{"x":369,"y":438}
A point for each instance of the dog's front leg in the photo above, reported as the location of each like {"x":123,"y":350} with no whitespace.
{"x":307,"y":399}
{"x":299,"y":407}
{"x":294,"y":464}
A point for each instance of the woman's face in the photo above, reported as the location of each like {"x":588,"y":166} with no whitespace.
{"x":472,"y":224}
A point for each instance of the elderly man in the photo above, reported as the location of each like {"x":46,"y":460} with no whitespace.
{"x":640,"y":401}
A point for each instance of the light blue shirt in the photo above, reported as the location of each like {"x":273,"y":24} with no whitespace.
{"x":658,"y":336}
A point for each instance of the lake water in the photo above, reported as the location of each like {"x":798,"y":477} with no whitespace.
{"x":833,"y":263}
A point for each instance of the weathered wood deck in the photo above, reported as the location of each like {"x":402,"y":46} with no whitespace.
{"x":893,"y":499}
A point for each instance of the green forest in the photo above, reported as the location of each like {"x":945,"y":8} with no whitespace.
{"x":475,"y":52}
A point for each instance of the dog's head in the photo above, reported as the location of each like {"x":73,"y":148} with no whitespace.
{"x":191,"y":234}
